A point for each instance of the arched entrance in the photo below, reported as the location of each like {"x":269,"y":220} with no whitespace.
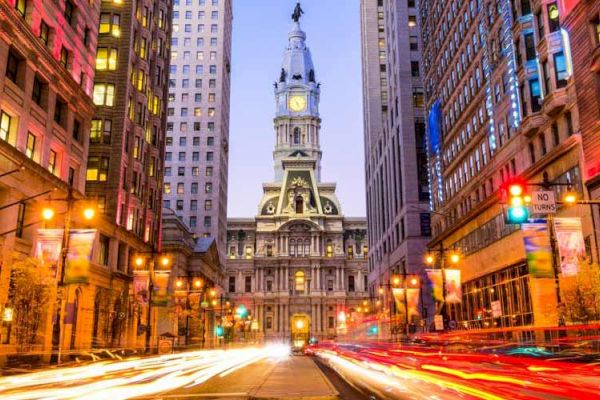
{"x":300,"y":330}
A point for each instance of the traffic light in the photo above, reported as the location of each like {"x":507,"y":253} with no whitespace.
{"x":517,"y":210}
{"x":373,"y":330}
{"x":219,"y":331}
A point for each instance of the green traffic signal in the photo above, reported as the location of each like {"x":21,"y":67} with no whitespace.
{"x":517,"y":215}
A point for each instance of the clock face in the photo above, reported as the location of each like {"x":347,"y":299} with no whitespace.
{"x":297,"y":103}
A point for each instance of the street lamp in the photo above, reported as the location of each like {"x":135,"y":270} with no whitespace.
{"x":139,"y":262}
{"x":48,"y":214}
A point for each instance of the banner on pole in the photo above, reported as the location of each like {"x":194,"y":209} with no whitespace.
{"x":571,"y":246}
{"x":79,"y":255}
{"x":435,"y":283}
{"x":141,"y":282}
{"x":47,"y":248}
{"x":453,"y":286}
{"x":411,"y":300}
{"x":160,"y":293}
{"x":538,"y":250}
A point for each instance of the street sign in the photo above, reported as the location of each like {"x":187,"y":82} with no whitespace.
{"x":543,"y":202}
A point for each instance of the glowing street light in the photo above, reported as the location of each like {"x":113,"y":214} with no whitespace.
{"x":454,"y":258}
{"x":570,"y":198}
{"x":299,"y":324}
{"x":396,"y":281}
{"x":197,"y":283}
{"x":429,"y":259}
{"x":381,"y":290}
{"x":47,"y":213}
{"x":89,"y":213}
{"x":139,"y":261}
{"x":165,"y":261}
{"x":414,"y":281}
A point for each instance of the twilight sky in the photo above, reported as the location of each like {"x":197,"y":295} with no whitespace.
{"x":260,"y":30}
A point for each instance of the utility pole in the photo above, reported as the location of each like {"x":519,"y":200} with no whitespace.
{"x":62,"y":289}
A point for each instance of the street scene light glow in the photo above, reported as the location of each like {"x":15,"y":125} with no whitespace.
{"x":139,"y":261}
{"x":454,"y":258}
{"x":89,"y":213}
{"x":48,"y":213}
{"x":516,"y":190}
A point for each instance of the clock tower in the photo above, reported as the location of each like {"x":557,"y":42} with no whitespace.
{"x":297,"y":122}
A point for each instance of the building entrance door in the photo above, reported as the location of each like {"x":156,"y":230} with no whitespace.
{"x":300,"y":330}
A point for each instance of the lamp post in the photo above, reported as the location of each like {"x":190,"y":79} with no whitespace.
{"x":454,"y":259}
{"x":48,"y":214}
{"x":164,"y":262}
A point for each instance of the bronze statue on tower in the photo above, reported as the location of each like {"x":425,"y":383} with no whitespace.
{"x":298,"y":11}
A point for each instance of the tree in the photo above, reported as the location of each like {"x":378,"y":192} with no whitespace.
{"x":580,"y":295}
{"x":29,"y":296}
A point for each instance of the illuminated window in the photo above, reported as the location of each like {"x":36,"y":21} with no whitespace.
{"x":52,"y":161}
{"x":329,"y":249}
{"x":104,"y":94}
{"x":249,"y":252}
{"x":299,"y":281}
{"x":97,"y":169}
{"x":106,"y":59}
{"x":412,"y":21}
{"x":44,"y":32}
{"x":143,"y":48}
{"x":5,"y":120}
{"x":180,"y":188}
{"x":30,"y":147}
{"x":21,"y":7}
{"x":167,"y":188}
{"x":207,"y":205}
{"x":64,"y":57}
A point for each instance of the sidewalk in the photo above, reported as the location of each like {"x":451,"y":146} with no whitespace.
{"x":296,"y":378}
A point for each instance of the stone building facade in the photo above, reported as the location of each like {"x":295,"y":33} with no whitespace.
{"x":582,"y":22}
{"x":197,"y":143}
{"x":501,"y":103}
{"x":299,"y":262}
{"x":46,"y":80}
{"x":395,"y":148}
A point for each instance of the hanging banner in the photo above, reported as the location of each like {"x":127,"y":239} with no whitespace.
{"x":141,"y":283}
{"x":538,"y":250}
{"x":571,"y":246}
{"x":435,"y":283}
{"x":81,"y":242}
{"x":160,"y":292}
{"x":47,"y":248}
{"x":194,"y":301}
{"x":411,"y":300}
{"x":453,"y":286}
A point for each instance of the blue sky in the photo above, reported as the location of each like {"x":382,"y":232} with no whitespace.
{"x":260,"y":29}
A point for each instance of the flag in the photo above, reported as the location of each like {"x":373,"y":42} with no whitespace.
{"x":141,"y":281}
{"x":435,"y":283}
{"x":539,"y":252}
{"x":411,"y":300}
{"x":160,"y":292}
{"x":453,"y":286}
{"x":571,"y":246}
{"x":47,"y":248}
{"x":81,"y":242}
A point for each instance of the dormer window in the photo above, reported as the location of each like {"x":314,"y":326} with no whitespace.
{"x":299,"y":205}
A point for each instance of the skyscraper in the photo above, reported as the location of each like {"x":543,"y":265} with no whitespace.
{"x":299,"y":267}
{"x":502,"y":108}
{"x":395,"y":148}
{"x":125,"y":163}
{"x":197,"y":150}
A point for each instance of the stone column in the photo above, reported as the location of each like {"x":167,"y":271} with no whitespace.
{"x":359,"y":284}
